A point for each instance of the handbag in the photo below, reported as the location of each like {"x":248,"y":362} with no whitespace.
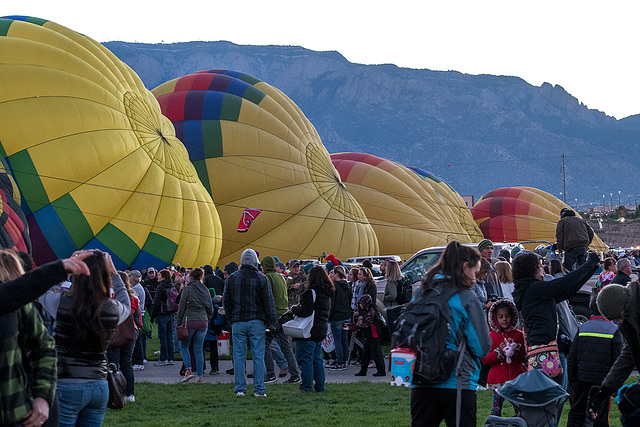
{"x":545,"y":357}
{"x":124,"y":334}
{"x":300,"y":327}
{"x":117,"y":387}
{"x":182,"y":330}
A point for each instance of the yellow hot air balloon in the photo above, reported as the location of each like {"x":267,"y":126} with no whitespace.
{"x":409,"y":209}
{"x":255,"y":149}
{"x":97,"y":163}
{"x":517,"y":214}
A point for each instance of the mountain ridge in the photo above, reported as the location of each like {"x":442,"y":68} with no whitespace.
{"x":477,"y":132}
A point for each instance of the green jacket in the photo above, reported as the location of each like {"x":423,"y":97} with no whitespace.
{"x":277,"y":283}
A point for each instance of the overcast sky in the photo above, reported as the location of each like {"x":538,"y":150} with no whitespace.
{"x":587,"y":47}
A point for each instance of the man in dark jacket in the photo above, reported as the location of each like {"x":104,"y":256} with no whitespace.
{"x":159,"y":313}
{"x":340,"y":314}
{"x":621,"y":303}
{"x":594,"y":349}
{"x":248,"y":302}
{"x":279,"y":291}
{"x":210,"y":280}
{"x":624,"y":272}
{"x":151,"y":281}
{"x":574,"y":236}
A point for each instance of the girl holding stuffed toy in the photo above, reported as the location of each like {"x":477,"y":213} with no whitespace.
{"x":508,"y":350}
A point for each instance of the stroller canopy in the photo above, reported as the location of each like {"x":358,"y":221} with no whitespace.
{"x":532,"y":388}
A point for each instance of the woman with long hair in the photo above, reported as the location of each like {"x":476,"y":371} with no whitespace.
{"x":85,"y":319}
{"x":316,"y":298}
{"x":122,"y":355}
{"x":394,"y":277}
{"x":195,"y":309}
{"x":453,"y":276}
{"x":505,"y":275}
{"x":609,"y":271}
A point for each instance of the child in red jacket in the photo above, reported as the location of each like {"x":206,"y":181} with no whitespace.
{"x":508,"y":351}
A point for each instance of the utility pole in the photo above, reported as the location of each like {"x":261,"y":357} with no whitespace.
{"x":564,"y":181}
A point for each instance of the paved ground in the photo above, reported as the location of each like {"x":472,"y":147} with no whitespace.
{"x":170,"y":374}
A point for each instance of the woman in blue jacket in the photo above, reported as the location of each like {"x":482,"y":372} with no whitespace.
{"x":455,"y":271}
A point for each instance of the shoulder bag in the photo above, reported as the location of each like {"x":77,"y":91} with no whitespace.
{"x":300,"y":327}
{"x":117,"y":387}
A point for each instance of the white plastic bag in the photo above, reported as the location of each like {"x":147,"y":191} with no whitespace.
{"x":300,"y":327}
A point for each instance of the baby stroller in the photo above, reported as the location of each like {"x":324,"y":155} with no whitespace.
{"x":536,"y":398}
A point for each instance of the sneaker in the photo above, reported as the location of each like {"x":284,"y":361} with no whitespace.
{"x":156,"y":352}
{"x":188,"y":374}
{"x":259,"y":394}
{"x":329,"y":362}
{"x":354,"y":362}
{"x":145,"y":361}
{"x":293,"y":380}
{"x":372,"y":364}
{"x":131,"y":398}
{"x":229,"y":371}
{"x":199,"y":380}
{"x":161,"y":363}
{"x":171,"y":362}
{"x":339,"y":368}
{"x":240,"y":394}
{"x":136,"y":367}
{"x":270,"y":379}
{"x":213,"y":372}
{"x":283,"y":372}
{"x":250,"y":375}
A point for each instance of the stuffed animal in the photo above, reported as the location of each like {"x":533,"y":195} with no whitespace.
{"x":509,"y":350}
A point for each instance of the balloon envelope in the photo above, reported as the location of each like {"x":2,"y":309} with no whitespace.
{"x":517,"y":214}
{"x":254,"y":148}
{"x":97,"y":164}
{"x":409,"y":210}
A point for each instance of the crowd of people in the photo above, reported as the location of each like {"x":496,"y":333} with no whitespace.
{"x":64,"y":322}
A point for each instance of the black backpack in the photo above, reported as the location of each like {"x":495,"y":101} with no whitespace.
{"x":405,"y":290}
{"x":424,"y":327}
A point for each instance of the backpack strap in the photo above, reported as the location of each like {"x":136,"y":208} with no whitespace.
{"x":463,"y":348}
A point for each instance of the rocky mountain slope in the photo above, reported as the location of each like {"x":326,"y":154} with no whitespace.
{"x":476,"y":132}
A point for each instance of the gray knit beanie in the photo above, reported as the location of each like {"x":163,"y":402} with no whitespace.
{"x":249,"y":257}
{"x":612,"y":300}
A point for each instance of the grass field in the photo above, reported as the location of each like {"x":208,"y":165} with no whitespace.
{"x":357,"y":404}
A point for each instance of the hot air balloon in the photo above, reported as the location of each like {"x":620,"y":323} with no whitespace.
{"x":408,"y":209}
{"x":14,"y":232}
{"x":254,"y":148}
{"x":97,"y":164}
{"x":518,"y":214}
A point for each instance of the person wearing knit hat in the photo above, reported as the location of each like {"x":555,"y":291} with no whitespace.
{"x":249,"y":305}
{"x":612,"y":301}
{"x":621,"y":303}
{"x":229,"y":269}
{"x":484,"y":244}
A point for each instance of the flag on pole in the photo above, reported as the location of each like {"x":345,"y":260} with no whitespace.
{"x":247,"y":219}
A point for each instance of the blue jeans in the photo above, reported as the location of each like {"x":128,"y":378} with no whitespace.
{"x":563,"y":380}
{"x":82,"y":404}
{"x":165,"y":334}
{"x":122,"y":357}
{"x":198,"y":343}
{"x":176,"y":341}
{"x":341,"y":340}
{"x":309,"y":357}
{"x":251,"y":332}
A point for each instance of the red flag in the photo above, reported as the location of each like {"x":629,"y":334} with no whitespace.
{"x":247,"y":218}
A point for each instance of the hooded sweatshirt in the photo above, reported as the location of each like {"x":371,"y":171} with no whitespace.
{"x":278,"y":285}
{"x":501,"y":371}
